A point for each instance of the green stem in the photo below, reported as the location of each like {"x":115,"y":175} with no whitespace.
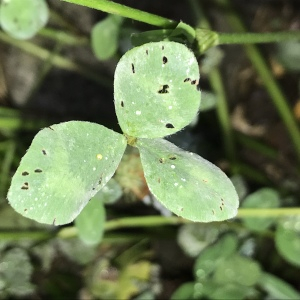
{"x":266,"y":75}
{"x":63,"y":37}
{"x":138,"y":222}
{"x":58,"y":61}
{"x":223,"y":115}
{"x":268,"y":212}
{"x":6,"y":166}
{"x":258,"y":37}
{"x":217,"y":85}
{"x":127,"y":12}
{"x":25,"y":235}
{"x":257,"y":146}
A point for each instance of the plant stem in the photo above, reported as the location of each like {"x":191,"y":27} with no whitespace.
{"x":223,"y":114}
{"x":6,"y":166}
{"x":258,"y":37}
{"x":139,"y":222}
{"x":266,"y":75}
{"x":63,"y":37}
{"x":217,"y":85}
{"x":127,"y":12}
{"x":268,"y":212}
{"x":58,"y":61}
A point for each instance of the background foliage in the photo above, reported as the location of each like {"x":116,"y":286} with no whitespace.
{"x":248,"y":126}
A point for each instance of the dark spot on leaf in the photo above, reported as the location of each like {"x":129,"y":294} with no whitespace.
{"x":161,"y":160}
{"x":165,"y":60}
{"x":25,"y":173}
{"x":193,"y":81}
{"x":44,"y":152}
{"x":100,"y":180}
{"x":187,"y":80}
{"x":24,"y":187}
{"x":26,"y":183}
{"x":164,"y":89}
{"x":172,"y":157}
{"x":158,"y":180}
{"x":221,"y":207}
{"x":51,"y":128}
{"x":132,"y":68}
{"x":93,"y":188}
{"x":204,"y":180}
{"x":53,"y":223}
{"x":162,"y":47}
{"x":213,"y":211}
{"x":181,"y":209}
{"x":38,"y":171}
{"x":122,"y":103}
{"x":25,"y":209}
{"x":169,"y":125}
{"x":147,"y":52}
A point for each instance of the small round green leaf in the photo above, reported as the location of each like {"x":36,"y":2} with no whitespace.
{"x":263,"y":198}
{"x":90,"y":222}
{"x":239,"y":270}
{"x":287,"y":239}
{"x":156,"y":89}
{"x":105,"y":37}
{"x":22,"y":19}
{"x":65,"y":166}
{"x":213,"y":255}
{"x":187,"y":184}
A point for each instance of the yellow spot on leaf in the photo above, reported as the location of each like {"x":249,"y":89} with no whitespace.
{"x":99,"y":156}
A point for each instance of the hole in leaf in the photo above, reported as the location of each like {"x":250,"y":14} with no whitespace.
{"x":38,"y":171}
{"x":169,"y":125}
{"x":44,"y":152}
{"x":172,"y":157}
{"x":25,"y":186}
{"x":25,"y":173}
{"x":132,"y":68}
{"x":122,"y":103}
{"x":165,"y":60}
{"x":187,"y":80}
{"x":164,"y":89}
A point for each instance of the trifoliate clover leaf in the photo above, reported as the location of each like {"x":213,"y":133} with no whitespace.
{"x":65,"y":166}
{"x":156,"y":89}
{"x":187,"y":184}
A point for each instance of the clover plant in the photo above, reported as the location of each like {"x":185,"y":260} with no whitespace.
{"x":156,"y":92}
{"x":22,"y":19}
